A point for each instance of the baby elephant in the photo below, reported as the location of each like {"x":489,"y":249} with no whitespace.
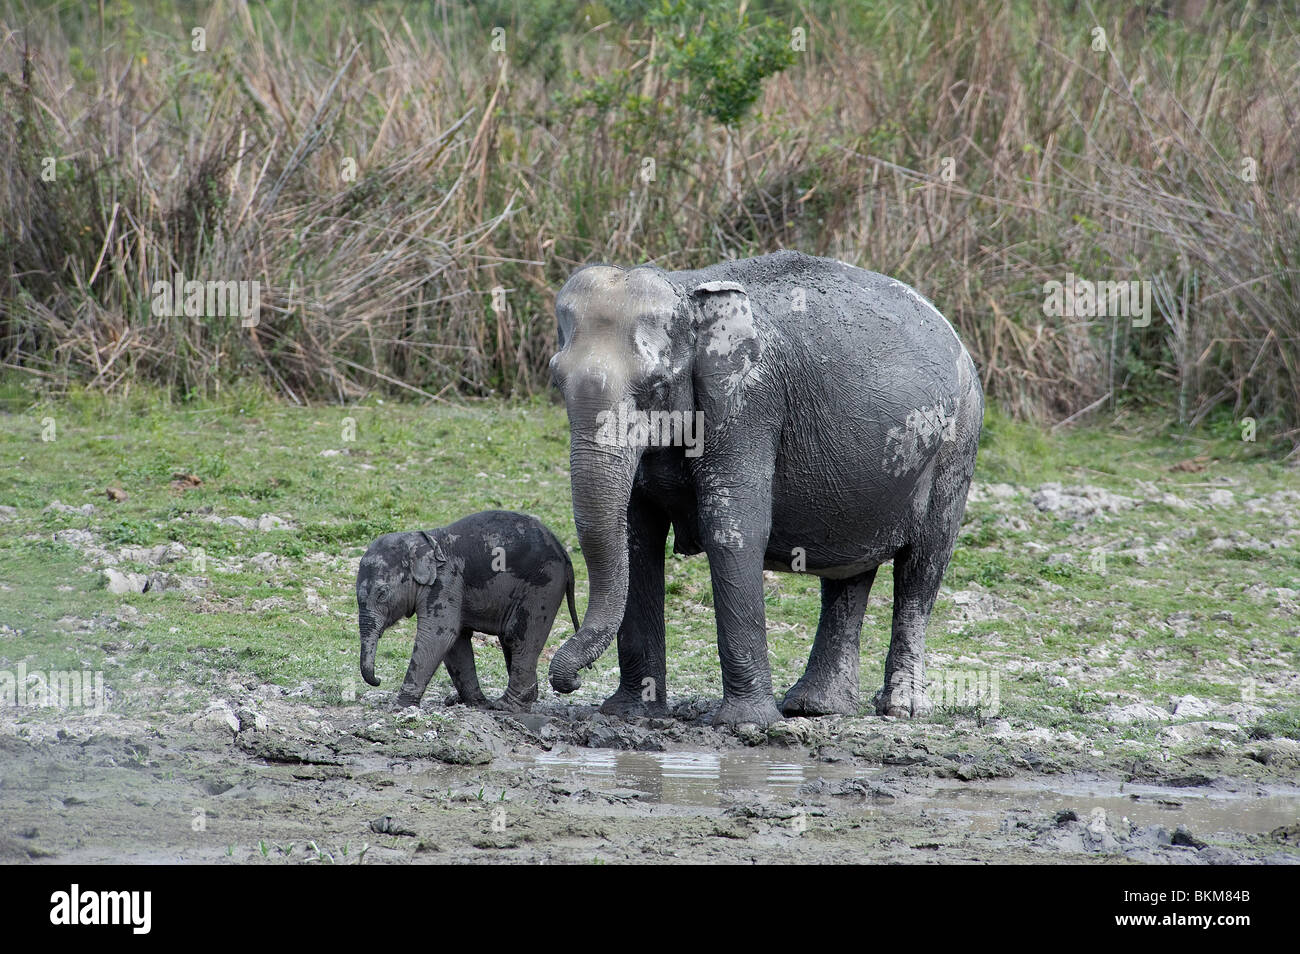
{"x":496,"y":572}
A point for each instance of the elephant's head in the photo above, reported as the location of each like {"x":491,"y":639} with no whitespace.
{"x":393,"y":570}
{"x":643,"y":363}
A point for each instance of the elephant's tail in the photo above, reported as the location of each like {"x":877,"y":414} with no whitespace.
{"x":568,"y":584}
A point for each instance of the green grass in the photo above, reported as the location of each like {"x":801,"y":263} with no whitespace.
{"x":413,"y":466}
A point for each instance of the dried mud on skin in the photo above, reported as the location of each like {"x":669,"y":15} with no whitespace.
{"x":271,"y":778}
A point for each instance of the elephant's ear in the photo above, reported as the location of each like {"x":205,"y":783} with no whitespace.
{"x":425,"y":560}
{"x":727,"y":345}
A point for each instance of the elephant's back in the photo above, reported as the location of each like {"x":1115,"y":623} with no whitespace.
{"x":514,"y":532}
{"x":847,"y":318}
{"x":852,"y":345}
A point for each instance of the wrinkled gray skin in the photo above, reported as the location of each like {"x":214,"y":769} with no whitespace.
{"x":841,"y":421}
{"x":448,"y":580}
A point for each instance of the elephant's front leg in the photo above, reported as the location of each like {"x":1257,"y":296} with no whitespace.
{"x":642,"y":659}
{"x":436,"y":630}
{"x":735,"y":526}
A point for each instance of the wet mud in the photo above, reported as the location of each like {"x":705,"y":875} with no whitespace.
{"x":265,"y":776}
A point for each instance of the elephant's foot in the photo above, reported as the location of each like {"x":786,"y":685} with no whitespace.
{"x":454,"y":699}
{"x":902,"y":702}
{"x":809,"y":697}
{"x":405,"y":699}
{"x":760,"y":710}
{"x":508,"y":703}
{"x":628,"y":704}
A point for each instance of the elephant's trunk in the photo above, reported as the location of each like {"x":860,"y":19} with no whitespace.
{"x":370,"y":633}
{"x":602,"y":485}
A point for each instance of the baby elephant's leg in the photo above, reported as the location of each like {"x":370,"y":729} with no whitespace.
{"x":464,"y":674}
{"x":522,"y":646}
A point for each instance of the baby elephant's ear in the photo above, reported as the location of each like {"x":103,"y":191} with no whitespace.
{"x":426,"y":557}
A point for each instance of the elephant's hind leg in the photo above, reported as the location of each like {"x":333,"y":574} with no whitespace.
{"x":919,"y":567}
{"x":918,"y":571}
{"x":464,"y":674}
{"x":522,"y":646}
{"x":829,"y":684}
{"x":917,"y":574}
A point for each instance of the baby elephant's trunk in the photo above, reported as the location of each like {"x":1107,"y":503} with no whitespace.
{"x":369,"y":641}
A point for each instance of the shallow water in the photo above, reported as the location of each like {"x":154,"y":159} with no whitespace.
{"x":700,"y":779}
{"x":683,"y":778}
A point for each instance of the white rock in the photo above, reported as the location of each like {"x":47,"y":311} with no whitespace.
{"x":118,"y":582}
{"x":218,"y":716}
{"x":267,"y":562}
{"x":251,"y":720}
{"x":156,"y":555}
{"x":998,"y":728}
{"x":1079,"y":503}
{"x":1137,"y":712}
{"x":1243,"y":713}
{"x":315,"y":604}
{"x":1190,"y":707}
{"x":1201,"y":730}
{"x":59,"y":507}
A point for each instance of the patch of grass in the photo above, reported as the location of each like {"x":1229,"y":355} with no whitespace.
{"x":1277,"y":725}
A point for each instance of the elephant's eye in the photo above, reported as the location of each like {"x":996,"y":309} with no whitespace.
{"x":557,"y":371}
{"x":381,"y":592}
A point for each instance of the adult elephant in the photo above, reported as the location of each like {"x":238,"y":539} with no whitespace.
{"x":840,"y":420}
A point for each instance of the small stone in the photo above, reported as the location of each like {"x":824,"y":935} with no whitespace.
{"x":119,"y":582}
{"x":1137,"y":712}
{"x":218,"y":716}
{"x":58,"y":506}
{"x":1190,"y":707}
{"x":251,"y":721}
{"x":1182,"y":836}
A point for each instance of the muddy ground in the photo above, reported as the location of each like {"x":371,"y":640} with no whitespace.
{"x":273,"y":776}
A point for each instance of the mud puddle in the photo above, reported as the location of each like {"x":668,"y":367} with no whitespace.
{"x":712,"y":779}
{"x":692,"y":779}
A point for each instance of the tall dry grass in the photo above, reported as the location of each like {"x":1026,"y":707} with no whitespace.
{"x":975,"y":150}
